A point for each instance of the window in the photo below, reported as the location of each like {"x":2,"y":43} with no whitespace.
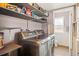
{"x":59,"y":24}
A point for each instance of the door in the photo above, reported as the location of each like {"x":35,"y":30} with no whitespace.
{"x":63,"y":27}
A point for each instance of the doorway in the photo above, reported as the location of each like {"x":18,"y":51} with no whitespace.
{"x":63,"y":31}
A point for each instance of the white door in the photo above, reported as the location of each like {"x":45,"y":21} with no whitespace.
{"x":61,"y":30}
{"x":63,"y":27}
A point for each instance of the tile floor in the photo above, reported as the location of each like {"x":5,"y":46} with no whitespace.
{"x":61,"y":51}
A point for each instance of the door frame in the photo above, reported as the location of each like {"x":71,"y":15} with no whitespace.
{"x":73,"y":17}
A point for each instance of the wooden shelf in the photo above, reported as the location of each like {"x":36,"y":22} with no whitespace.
{"x":8,"y":12}
{"x":35,"y":10}
{"x":9,"y":48}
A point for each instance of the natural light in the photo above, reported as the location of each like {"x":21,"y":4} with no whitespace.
{"x":59,"y":24}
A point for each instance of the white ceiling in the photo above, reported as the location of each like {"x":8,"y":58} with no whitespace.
{"x":51,"y":6}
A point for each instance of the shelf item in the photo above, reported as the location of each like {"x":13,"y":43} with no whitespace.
{"x":34,"y":9}
{"x":41,"y":9}
{"x":18,"y":10}
{"x":5,"y":11}
{"x":37,"y":12}
{"x":34,"y":5}
{"x":3,"y":5}
{"x":28,"y":11}
{"x":23,"y":11}
{"x":11,"y":7}
{"x":8,"y":12}
{"x":8,"y":6}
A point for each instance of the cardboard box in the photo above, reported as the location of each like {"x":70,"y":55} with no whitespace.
{"x":3,"y":5}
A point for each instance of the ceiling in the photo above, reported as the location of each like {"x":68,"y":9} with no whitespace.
{"x":51,"y":6}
